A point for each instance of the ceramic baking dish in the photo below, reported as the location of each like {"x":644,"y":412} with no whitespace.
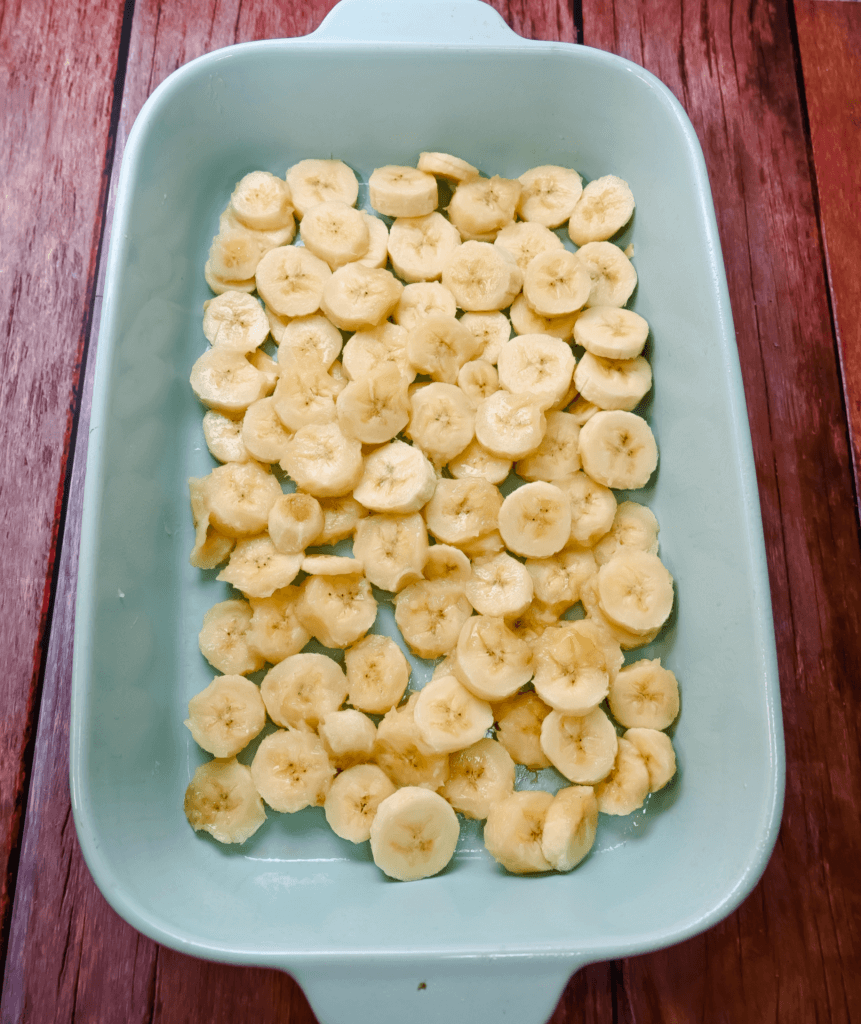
{"x":380,"y":81}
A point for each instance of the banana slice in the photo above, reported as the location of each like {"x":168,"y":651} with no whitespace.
{"x":557,"y":457}
{"x":221,"y":284}
{"x":393,"y":549}
{"x":421,"y":300}
{"x":439,"y":346}
{"x":611,"y":272}
{"x":221,"y":800}
{"x":525,"y":320}
{"x":430,"y":615}
{"x":574,"y":665}
{"x":331,"y":565}
{"x":491,"y":661}
{"x":482,"y":277}
{"x":375,"y":408}
{"x":613,"y":383}
{"x":635,"y":527}
{"x":291,"y":770}
{"x":402,"y":753}
{"x":510,"y":426}
{"x":223,"y":437}
{"x":442,"y":421}
{"x":348,"y":736}
{"x":557,"y":580}
{"x":475,"y":461}
{"x":225,"y":381}
{"x":311,"y":338}
{"x":235,"y":321}
{"x":414,"y":834}
{"x":320,"y":181}
{"x":352,"y":802}
{"x":582,"y":748}
{"x":378,"y":348}
{"x":419,"y":247}
{"x":226,"y":716}
{"x":514,"y":829}
{"x":479,"y":777}
{"x":277,"y":323}
{"x":518,"y":729}
{"x":295,"y":522}
{"x":499,"y":585}
{"x":582,"y":411}
{"x":449,"y":717}
{"x":234,"y":255}
{"x":396,"y":478}
{"x":265,"y":364}
{"x":262,"y":201}
{"x":302,"y":689}
{"x":336,"y":233}
{"x":635,"y":591}
{"x":263,"y":434}
{"x":276,"y":632}
{"x":535,"y":520}
{"x":627,"y":786}
{"x":223,"y":639}
{"x":444,"y":165}
{"x":605,"y":207}
{"x":484,"y":546}
{"x":628,"y":641}
{"x":211,"y":548}
{"x":356,"y":297}
{"x":340,"y":517}
{"x":656,"y":749}
{"x":492,"y":331}
{"x":644,"y":695}
{"x":525,"y":240}
{"x":462,"y":510}
{"x":258,"y":569}
{"x":618,"y":449}
{"x":593,"y":508}
{"x":570,"y":827}
{"x":377,"y":255}
{"x":337,"y":610}
{"x":536,"y":364}
{"x":611,"y":333}
{"x":377,"y":674}
{"x":556,"y":283}
{"x":549,"y":195}
{"x":239,"y":496}
{"x":266,"y":239}
{"x":324,"y":462}
{"x":532,"y":623}
{"x":402,"y":191}
{"x":481,"y":207}
{"x":478,"y":380}
{"x":291,"y":279}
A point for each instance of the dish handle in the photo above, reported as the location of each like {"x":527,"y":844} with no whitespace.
{"x":467,"y":22}
{"x":523,"y":989}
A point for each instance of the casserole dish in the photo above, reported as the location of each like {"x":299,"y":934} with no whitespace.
{"x":378,"y":82}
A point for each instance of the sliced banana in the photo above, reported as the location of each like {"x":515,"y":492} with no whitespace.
{"x":634,"y":526}
{"x":462,"y":510}
{"x":234,"y":255}
{"x":319,"y":181}
{"x":445,"y":562}
{"x":444,"y":165}
{"x":477,"y":461}
{"x":430,"y":615}
{"x":574,"y":665}
{"x":258,"y":569}
{"x":414,"y":834}
{"x":295,"y":521}
{"x":220,"y":284}
{"x":375,"y":349}
{"x":479,"y":776}
{"x":536,"y":364}
{"x":525,"y":240}
{"x":492,"y":330}
{"x":535,"y":520}
{"x":593,"y":508}
{"x":356,"y":297}
{"x":635,"y":590}
{"x":265,"y":364}
{"x":302,"y":689}
{"x":291,"y":770}
{"x":393,"y":549}
{"x":377,"y":255}
{"x":226,"y":716}
{"x":323,"y":462}
{"x":276,"y":631}
{"x":290,"y":280}
{"x":449,"y":717}
{"x":514,"y":829}
{"x":375,"y":408}
{"x":532,"y":623}
{"x":348,"y":736}
{"x":223,"y":436}
{"x":211,"y":548}
{"x":628,"y":641}
{"x":618,"y":449}
{"x":481,"y":207}
{"x":484,"y":546}
{"x":510,"y":426}
{"x":337,"y":610}
{"x":223,"y":639}
{"x":396,"y":478}
{"x":239,"y":496}
{"x":340,"y":517}
{"x":491,"y":661}
{"x":336,"y":233}
{"x":262,"y":201}
{"x":377,"y":674}
{"x":525,"y":320}
{"x":613,"y":383}
{"x":266,"y":238}
{"x":419,"y":247}
{"x":518,"y":729}
{"x":221,"y":799}
{"x":499,"y":585}
{"x":581,"y":410}
{"x":611,"y":333}
{"x":402,"y":191}
{"x":423,"y":299}
{"x":482,"y":277}
{"x":310,"y":338}
{"x":656,"y":749}
{"x":277,"y":323}
{"x":582,"y":748}
{"x":352,"y":802}
{"x":263,"y":434}
{"x":550,"y":194}
{"x":605,"y":207}
{"x":236,"y":321}
{"x":611,"y":272}
{"x":225,"y":381}
{"x":627,"y":786}
{"x":438,"y":346}
{"x":557,"y":457}
{"x":557,"y":580}
{"x":442,"y":421}
{"x":556,"y":283}
{"x":570,"y":827}
{"x":402,"y":753}
{"x":645,"y":695}
{"x":478,"y":380}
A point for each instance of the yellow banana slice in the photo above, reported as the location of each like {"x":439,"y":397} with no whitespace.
{"x":499,"y":585}
{"x":441,"y":422}
{"x":336,"y":233}
{"x":478,"y":380}
{"x":414,"y":834}
{"x":340,"y":516}
{"x":290,"y":280}
{"x":510,"y":426}
{"x":518,"y":729}
{"x":402,"y":191}
{"x":220,"y":284}
{"x":402,"y":753}
{"x":570,"y":827}
{"x":226,"y":716}
{"x":593,"y":507}
{"x":627,"y":786}
{"x":514,"y":830}
{"x":305,"y":393}
{"x":377,"y":674}
{"x":223,"y":436}
{"x":475,"y":461}
{"x":276,"y":632}
{"x":223,"y":639}
{"x":525,"y":240}
{"x":481,"y":207}
{"x":536,"y":364}
{"x":221,"y":799}
{"x":635,"y":591}
{"x":582,"y":748}
{"x":295,"y":522}
{"x":613,"y":383}
{"x":444,"y":165}
{"x":611,"y":272}
{"x":419,"y":247}
{"x":557,"y":580}
{"x":234,"y":255}
{"x":396,"y":478}
{"x":550,"y":194}
{"x":263,"y":435}
{"x":239,"y":496}
{"x":319,"y":181}
{"x":605,"y":207}
{"x":311,"y":338}
{"x":634,"y":526}
{"x":265,"y":364}
{"x":348,"y":737}
{"x":525,"y":320}
{"x":491,"y":661}
{"x":375,"y":408}
{"x":645,"y":695}
{"x":376,"y":349}
{"x":352,"y":802}
{"x":225,"y":381}
{"x":656,"y":749}
{"x":236,"y":321}
{"x":479,"y":777}
{"x":556,"y":283}
{"x":439,"y":346}
{"x":535,"y":520}
{"x":323,"y":462}
{"x":430,"y":615}
{"x":302,"y":689}
{"x":393,"y":549}
{"x":445,"y":562}
{"x":611,"y":332}
{"x":582,"y":410}
{"x":482,"y":277}
{"x":628,"y":640}
{"x":356,"y":297}
{"x":492,"y":331}
{"x":337,"y":610}
{"x":574,"y":665}
{"x":462,"y":510}
{"x":262,"y":201}
{"x":557,"y":457}
{"x":618,"y":449}
{"x":421,"y":300}
{"x":258,"y":569}
{"x":291,"y":770}
{"x":449,"y":717}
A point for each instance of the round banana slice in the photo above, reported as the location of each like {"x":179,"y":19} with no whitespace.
{"x":295,"y":522}
{"x":442,"y":421}
{"x":604,"y":208}
{"x":611,"y":272}
{"x":444,"y":562}
{"x":225,"y":381}
{"x":628,"y":641}
{"x":611,"y":333}
{"x":324,"y":462}
{"x":518,"y":729}
{"x":514,"y":830}
{"x":311,"y":338}
{"x":376,"y":408}
{"x":627,"y":786}
{"x":525,"y":320}
{"x":430,"y":615}
{"x":340,"y":517}
{"x":556,"y":283}
{"x":356,"y":297}
{"x":492,"y":330}
{"x":510,"y":426}
{"x":535,"y":520}
{"x":618,"y":449}
{"x":223,"y":639}
{"x":462,"y":510}
{"x":337,"y":610}
{"x":235,"y":321}
{"x":377,"y":255}
{"x":656,"y":749}
{"x":377,"y":674}
{"x":525,"y":240}
{"x":276,"y":631}
{"x":536,"y":364}
{"x":223,"y":437}
{"x":582,"y":411}
{"x":478,"y":380}
{"x":558,"y":456}
{"x":303,"y":689}
{"x":439,"y":346}
{"x":499,"y":585}
{"x":375,"y":349}
{"x":593,"y":508}
{"x":210,"y":547}
{"x":262,"y":201}
{"x":420,"y":246}
{"x":479,"y":777}
{"x":557,"y":580}
{"x":635,"y":590}
{"x":258,"y":569}
{"x":644,"y":695}
{"x":449,"y":717}
{"x":481,"y":207}
{"x":291,"y":770}
{"x":290,"y":280}
{"x":226,"y":716}
{"x":336,"y":233}
{"x":234,"y":255}
{"x":492,"y":662}
{"x":220,"y":284}
{"x":239,"y":497}
{"x":266,"y":239}
{"x":421,"y":300}
{"x":352,"y":802}
{"x":530,"y":625}
{"x":319,"y":181}
{"x":221,"y":800}
{"x":414,"y":834}
{"x":402,"y":191}
{"x":582,"y":748}
{"x":549,"y":195}
{"x":634,"y":526}
{"x":263,"y":434}
{"x":613,"y":383}
{"x":348,"y":736}
{"x":475,"y":461}
{"x":444,"y":165}
{"x":570,"y":827}
{"x":277,"y":323}
{"x":484,"y":546}
{"x":265,"y":364}
{"x":574,"y":665}
{"x":396,"y":478}
{"x":482,"y":277}
{"x":393,"y":549}
{"x":331,"y":565}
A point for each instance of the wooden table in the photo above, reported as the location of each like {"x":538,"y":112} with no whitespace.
{"x":774,"y":92}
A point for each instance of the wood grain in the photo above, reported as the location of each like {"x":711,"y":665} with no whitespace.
{"x":829,"y":40}
{"x":732,"y":67}
{"x":53,"y":65}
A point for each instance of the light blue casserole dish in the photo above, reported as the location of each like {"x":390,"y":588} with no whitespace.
{"x":380,"y":81}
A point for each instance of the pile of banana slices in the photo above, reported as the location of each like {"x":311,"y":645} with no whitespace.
{"x":473,"y":472}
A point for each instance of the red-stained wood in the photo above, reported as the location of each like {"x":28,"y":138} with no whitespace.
{"x":790,"y":953}
{"x":55,"y":67}
{"x":829,"y":40}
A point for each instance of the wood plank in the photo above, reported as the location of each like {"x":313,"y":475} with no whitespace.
{"x":829,"y":41}
{"x":53,"y":65}
{"x":788,"y":953}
